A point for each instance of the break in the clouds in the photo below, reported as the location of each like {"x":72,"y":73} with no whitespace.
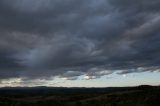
{"x":71,"y":38}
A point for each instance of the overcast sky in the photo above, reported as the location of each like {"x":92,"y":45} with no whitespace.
{"x":43,"y":41}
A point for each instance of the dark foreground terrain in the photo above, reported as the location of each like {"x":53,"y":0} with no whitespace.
{"x":113,"y":96}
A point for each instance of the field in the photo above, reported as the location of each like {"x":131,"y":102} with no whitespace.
{"x":54,"y":96}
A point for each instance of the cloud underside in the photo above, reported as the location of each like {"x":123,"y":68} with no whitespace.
{"x":69,"y":38}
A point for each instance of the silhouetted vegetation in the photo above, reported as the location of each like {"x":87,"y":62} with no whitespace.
{"x":114,"y":96}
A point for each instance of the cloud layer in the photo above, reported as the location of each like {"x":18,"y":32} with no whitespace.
{"x":68,"y":38}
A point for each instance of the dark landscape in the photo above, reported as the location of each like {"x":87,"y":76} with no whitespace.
{"x":143,"y":95}
{"x":79,"y":52}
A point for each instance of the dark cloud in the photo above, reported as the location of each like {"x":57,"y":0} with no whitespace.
{"x":45,"y":38}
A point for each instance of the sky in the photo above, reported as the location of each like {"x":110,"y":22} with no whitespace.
{"x":79,"y":43}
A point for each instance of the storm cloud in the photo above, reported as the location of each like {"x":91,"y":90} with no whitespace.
{"x":70,"y":38}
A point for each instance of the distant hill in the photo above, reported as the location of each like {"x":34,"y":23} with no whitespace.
{"x":143,"y":95}
{"x":60,"y":90}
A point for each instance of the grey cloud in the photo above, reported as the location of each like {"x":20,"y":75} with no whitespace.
{"x":46,"y":38}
